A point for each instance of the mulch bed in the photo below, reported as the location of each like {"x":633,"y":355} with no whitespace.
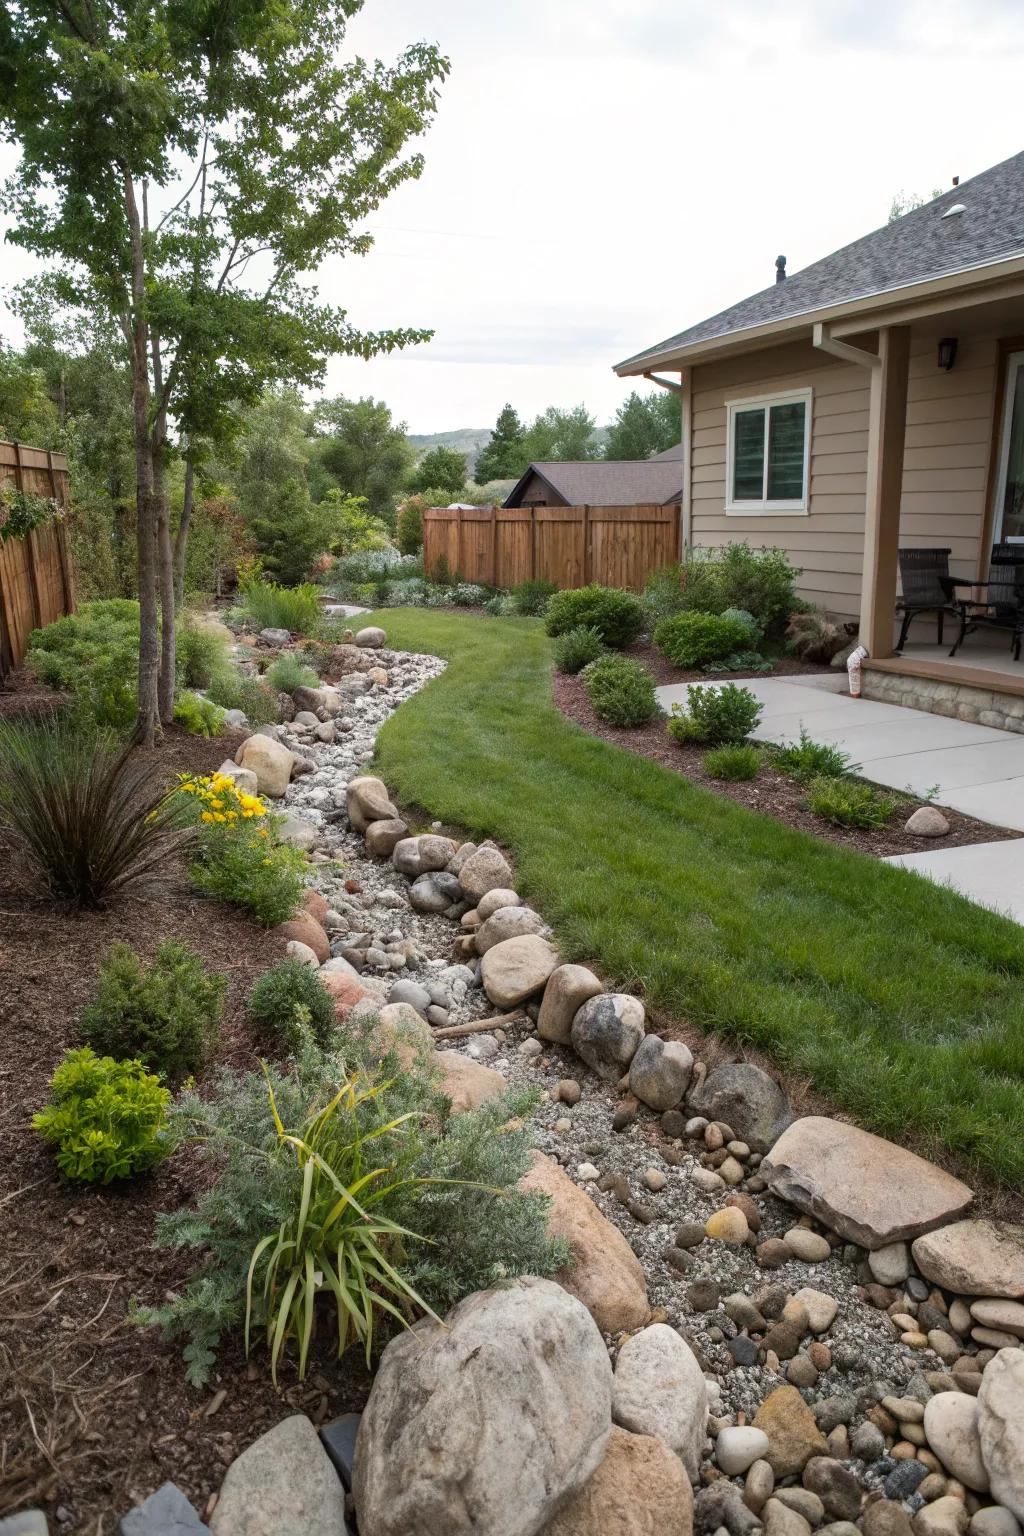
{"x":770,"y":792}
{"x":95,"y":1412}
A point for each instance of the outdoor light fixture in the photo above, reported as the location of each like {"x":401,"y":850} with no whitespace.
{"x":947,"y":352}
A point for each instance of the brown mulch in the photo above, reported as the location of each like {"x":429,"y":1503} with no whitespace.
{"x":95,"y":1412}
{"x":771,"y":791}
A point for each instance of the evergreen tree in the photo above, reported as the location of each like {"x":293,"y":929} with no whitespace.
{"x":504,"y":457}
{"x":645,"y":425}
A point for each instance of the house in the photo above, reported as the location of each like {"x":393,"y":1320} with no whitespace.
{"x":601,"y":482}
{"x":873,"y":401}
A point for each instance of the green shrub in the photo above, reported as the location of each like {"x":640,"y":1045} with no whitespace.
{"x":695,"y":639}
{"x":501,"y":606}
{"x":846,"y":803}
{"x":805,"y":760}
{"x":201,"y":717}
{"x":107,"y":1119}
{"x":291,"y":670}
{"x":409,"y":525}
{"x":621,"y":691}
{"x":617,"y":616}
{"x":296,"y":609}
{"x":166,"y":1016}
{"x":760,"y":582}
{"x":289,"y":1000}
{"x":449,"y":1180}
{"x":263,"y":876}
{"x":719,"y":716}
{"x":255,"y":698}
{"x":531,"y":598}
{"x":663,"y":593}
{"x":84,"y":815}
{"x":201,"y":654}
{"x":576,"y":648}
{"x":733,"y":763}
{"x":750,"y":624}
{"x":741,"y":661}
{"x":93,"y":655}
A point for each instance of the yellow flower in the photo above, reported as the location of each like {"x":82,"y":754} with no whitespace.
{"x":263,"y":832}
{"x":206,"y":816}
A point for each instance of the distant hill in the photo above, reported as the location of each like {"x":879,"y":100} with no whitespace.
{"x":467,"y":440}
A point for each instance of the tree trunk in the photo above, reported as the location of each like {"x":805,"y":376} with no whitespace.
{"x":181,"y":538}
{"x":165,"y":581}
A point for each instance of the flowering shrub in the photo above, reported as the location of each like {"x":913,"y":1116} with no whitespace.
{"x":241,"y":859}
{"x":218,"y":800}
{"x":107,"y":1118}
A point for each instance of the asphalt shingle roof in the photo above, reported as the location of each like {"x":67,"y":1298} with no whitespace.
{"x":914,"y":248}
{"x":608,"y":482}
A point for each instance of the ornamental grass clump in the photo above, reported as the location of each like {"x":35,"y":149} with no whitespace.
{"x":107,"y":1119}
{"x":198,"y":716}
{"x":291,"y":670}
{"x":241,"y":859}
{"x":847,"y":803}
{"x":577,"y":648}
{"x":85,"y":816}
{"x":166,"y":1015}
{"x":297,"y":609}
{"x":620,"y":690}
{"x":733,"y":764}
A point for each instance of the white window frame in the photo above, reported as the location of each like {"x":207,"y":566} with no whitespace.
{"x":763,"y":507}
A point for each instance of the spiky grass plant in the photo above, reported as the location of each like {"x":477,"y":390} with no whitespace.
{"x":87,"y":816}
{"x":294,"y":608}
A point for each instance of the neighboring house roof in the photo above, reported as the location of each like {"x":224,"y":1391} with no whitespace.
{"x":605,"y":482}
{"x":920,"y":246}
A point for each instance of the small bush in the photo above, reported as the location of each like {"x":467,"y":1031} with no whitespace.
{"x":291,"y":670}
{"x":718,"y":716}
{"x":107,"y":1119}
{"x":241,"y":861}
{"x":741,"y":661}
{"x":501,"y":606}
{"x":165,"y":1016}
{"x":296,"y":609}
{"x":93,"y":655}
{"x":86,"y":817}
{"x":733,"y":764}
{"x":201,"y":717}
{"x":663,"y":593}
{"x":846,"y":803}
{"x":409,"y":525}
{"x":289,"y":1001}
{"x":695,"y":639}
{"x":621,"y":691}
{"x":805,"y":760}
{"x":577,"y":648}
{"x":255,"y":698}
{"x":531,"y":598}
{"x":201,"y":654}
{"x":617,"y":616}
{"x":753,"y":628}
{"x":761,"y":582}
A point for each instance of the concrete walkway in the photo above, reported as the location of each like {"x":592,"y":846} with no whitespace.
{"x":992,"y":874}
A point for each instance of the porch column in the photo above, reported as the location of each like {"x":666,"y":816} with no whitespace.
{"x":887,"y":419}
{"x":686,"y":494}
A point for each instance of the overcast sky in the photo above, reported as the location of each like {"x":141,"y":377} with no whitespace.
{"x":602,"y":173}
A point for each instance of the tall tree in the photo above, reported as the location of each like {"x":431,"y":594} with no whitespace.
{"x":644,"y":424}
{"x":557,"y":434}
{"x":364,"y":451}
{"x":442,"y":468}
{"x":185,"y":166}
{"x":504,"y":456}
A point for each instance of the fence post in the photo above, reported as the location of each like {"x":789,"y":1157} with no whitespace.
{"x":586,"y":546}
{"x":458,"y":545}
{"x":533,"y":543}
{"x":31,"y":547}
{"x":494,"y":546}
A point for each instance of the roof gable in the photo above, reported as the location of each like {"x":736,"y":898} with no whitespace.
{"x":606,"y":482}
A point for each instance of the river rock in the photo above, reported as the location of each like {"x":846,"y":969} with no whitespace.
{"x":1001,"y":1427}
{"x":747,"y":1099}
{"x":284,"y":1481}
{"x":435,"y":853}
{"x":382,"y":837}
{"x":835,"y":1485}
{"x":490,"y":1423}
{"x":721,"y":1507}
{"x":490,"y":901}
{"x":890,"y":1265}
{"x":507,"y":923}
{"x":738,"y":1446}
{"x":943,"y":1517}
{"x":1007,"y":1316}
{"x":659,"y":1389}
{"x":401,"y":1029}
{"x":434,"y":893}
{"x":974,"y":1258}
{"x":793,"y":1435}
{"x":371,"y":638}
{"x":484,"y":871}
{"x":467,"y":1083}
{"x":270,"y":761}
{"x":659,"y":1073}
{"x":607,"y":1031}
{"x":951,"y":1429}
{"x":568,"y":988}
{"x":366,"y":800}
{"x":515,"y":969}
{"x":305,"y":929}
{"x":272,"y":636}
{"x":640,"y":1489}
{"x":606,"y":1274}
{"x":863,"y":1187}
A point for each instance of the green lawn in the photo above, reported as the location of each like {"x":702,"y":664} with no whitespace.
{"x":902,"y":1002}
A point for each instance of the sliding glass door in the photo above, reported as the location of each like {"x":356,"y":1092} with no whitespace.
{"x":1009,"y":520}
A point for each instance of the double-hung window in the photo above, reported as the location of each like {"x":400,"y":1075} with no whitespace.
{"x":769,"y":440}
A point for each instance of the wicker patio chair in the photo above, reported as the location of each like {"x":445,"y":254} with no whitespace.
{"x":925,"y":580}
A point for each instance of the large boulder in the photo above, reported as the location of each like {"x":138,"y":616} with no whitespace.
{"x":487,"y":1425}
{"x":605,"y":1274}
{"x":284,"y":1482}
{"x":305,"y":928}
{"x":516,"y":968}
{"x":974,"y":1258}
{"x":747,"y":1099}
{"x":372,"y":638}
{"x":640,"y":1489}
{"x":659,"y":1389}
{"x":434,"y":852}
{"x":508,"y":923}
{"x":270,"y":761}
{"x":951,"y":1430}
{"x":865,"y":1188}
{"x":467,"y":1083}
{"x":568,"y":988}
{"x":607,"y":1032}
{"x":1001,"y":1427}
{"x":366,"y":800}
{"x":484,"y":871}
{"x":400,"y":1029}
{"x":382,"y":837}
{"x":659,"y":1073}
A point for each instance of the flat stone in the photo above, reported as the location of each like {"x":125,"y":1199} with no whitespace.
{"x":660,"y":1072}
{"x":994,"y":1312}
{"x":640,"y":1489}
{"x":568,"y":988}
{"x":607,"y":1031}
{"x":517,"y":968}
{"x":747,"y":1099}
{"x":1001,"y":1427}
{"x":974,"y":1258}
{"x":863,"y":1187}
{"x":167,"y":1512}
{"x":659,"y":1389}
{"x":467,"y":1083}
{"x":793,"y":1435}
{"x":283,"y":1482}
{"x":606,"y":1275}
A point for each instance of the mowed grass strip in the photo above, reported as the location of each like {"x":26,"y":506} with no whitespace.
{"x":901,"y":1001}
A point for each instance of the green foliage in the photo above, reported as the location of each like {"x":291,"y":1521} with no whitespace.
{"x":85,"y":816}
{"x":107,"y":1119}
{"x":733,"y":764}
{"x":200,"y":717}
{"x":21,"y":512}
{"x":409,"y":525}
{"x":741,"y":661}
{"x":695,"y":639}
{"x":719,"y":715}
{"x":531,"y":598}
{"x":201,"y":652}
{"x":560,"y":434}
{"x":753,"y":629}
{"x":255,"y":698}
{"x":504,"y":456}
{"x":296,"y":609}
{"x":645,"y":425}
{"x":448,"y":1180}
{"x":287,"y":1002}
{"x":166,"y":1016}
{"x":761,"y":582}
{"x":363,"y":450}
{"x":291,"y":670}
{"x":27,"y":414}
{"x":617,"y":616}
{"x":92,"y":654}
{"x":350,"y":526}
{"x":620,"y":690}
{"x":249,"y":867}
{"x":806,"y":759}
{"x":574,"y":649}
{"x":663,"y":593}
{"x":847,"y":803}
{"x":441,"y":467}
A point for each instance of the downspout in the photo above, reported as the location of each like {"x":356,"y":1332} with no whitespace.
{"x":683,"y":388}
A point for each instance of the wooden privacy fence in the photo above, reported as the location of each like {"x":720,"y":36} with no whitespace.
{"x":36,"y":583}
{"x":572,"y":546}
